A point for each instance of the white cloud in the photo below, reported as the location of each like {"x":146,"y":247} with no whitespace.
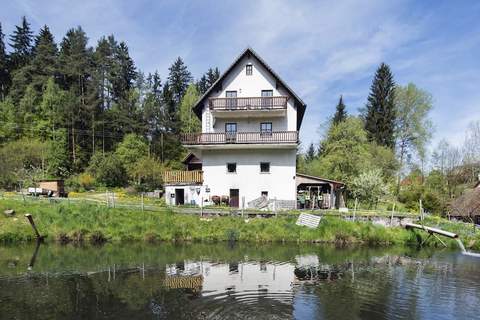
{"x":321,"y":48}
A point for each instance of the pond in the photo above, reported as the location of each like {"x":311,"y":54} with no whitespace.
{"x":243,"y":281}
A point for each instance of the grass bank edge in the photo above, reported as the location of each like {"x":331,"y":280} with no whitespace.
{"x":79,"y":222}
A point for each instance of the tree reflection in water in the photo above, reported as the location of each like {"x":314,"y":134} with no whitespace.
{"x":218,"y":281}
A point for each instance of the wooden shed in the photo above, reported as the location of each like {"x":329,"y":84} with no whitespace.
{"x":467,"y":206}
{"x":55,"y":185}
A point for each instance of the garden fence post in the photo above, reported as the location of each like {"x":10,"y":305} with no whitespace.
{"x":275,"y":206}
{"x":391,"y":217}
{"x":355,"y":208}
{"x":201,"y":208}
{"x":142,"y":203}
{"x":243,"y":205}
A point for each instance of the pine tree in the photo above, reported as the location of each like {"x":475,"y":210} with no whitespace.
{"x":179,"y":78}
{"x":44,"y":63}
{"x":380,"y":109}
{"x":21,"y":42}
{"x":340,"y":113}
{"x":4,"y":74}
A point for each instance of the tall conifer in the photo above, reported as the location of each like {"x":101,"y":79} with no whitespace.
{"x":179,"y":78}
{"x":21,"y":42}
{"x":44,"y":62}
{"x":340,"y":113}
{"x":380,"y":109}
{"x":4,"y":74}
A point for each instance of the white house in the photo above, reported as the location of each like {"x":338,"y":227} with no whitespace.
{"x":248,"y":144}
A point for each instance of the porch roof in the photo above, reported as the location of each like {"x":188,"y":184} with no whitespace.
{"x":301,"y":178}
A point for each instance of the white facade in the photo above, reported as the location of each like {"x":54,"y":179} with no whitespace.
{"x":279,"y":183}
{"x":249,"y":86}
{"x":277,"y":158}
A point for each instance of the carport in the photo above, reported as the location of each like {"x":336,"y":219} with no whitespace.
{"x":319,"y":193}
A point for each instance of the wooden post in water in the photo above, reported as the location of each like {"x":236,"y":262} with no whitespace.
{"x":421,"y":210}
{"x":32,"y":223}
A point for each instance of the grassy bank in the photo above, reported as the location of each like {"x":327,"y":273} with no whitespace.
{"x":78,"y":222}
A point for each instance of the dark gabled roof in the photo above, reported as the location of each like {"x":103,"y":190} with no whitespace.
{"x":191,"y":158}
{"x":299,"y":104}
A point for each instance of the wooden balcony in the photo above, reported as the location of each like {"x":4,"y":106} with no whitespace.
{"x":223,"y":138}
{"x":248,"y":103}
{"x":183,"y":177}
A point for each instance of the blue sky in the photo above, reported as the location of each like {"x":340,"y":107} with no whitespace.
{"x":321,"y":48}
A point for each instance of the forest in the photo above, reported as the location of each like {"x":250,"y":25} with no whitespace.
{"x":90,"y":116}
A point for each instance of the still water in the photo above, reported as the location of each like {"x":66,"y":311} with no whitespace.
{"x":220,"y":281}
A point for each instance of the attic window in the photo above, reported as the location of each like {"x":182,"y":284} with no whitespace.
{"x":249,"y":69}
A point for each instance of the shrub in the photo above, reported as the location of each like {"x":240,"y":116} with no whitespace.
{"x":86,"y":181}
{"x":108,"y":170}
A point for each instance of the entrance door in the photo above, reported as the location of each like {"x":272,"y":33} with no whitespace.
{"x":179,"y":196}
{"x":234,"y":197}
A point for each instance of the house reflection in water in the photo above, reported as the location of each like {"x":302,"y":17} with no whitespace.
{"x":245,"y":281}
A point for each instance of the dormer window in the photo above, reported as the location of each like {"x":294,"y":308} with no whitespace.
{"x":249,"y":69}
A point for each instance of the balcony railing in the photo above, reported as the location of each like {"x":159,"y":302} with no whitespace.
{"x":249,"y":103}
{"x":183,"y":177}
{"x":240,"y":138}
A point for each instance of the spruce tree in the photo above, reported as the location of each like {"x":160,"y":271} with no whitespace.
{"x":103,"y":60}
{"x":75,"y":61}
{"x":310,"y":153}
{"x":179,"y":78}
{"x":21,"y":42}
{"x":212,"y":76}
{"x":380,"y":109}
{"x":152,"y":112}
{"x":44,"y":62}
{"x":4,"y":74}
{"x":340,"y":113}
{"x":124,"y":73}
{"x":207,"y":80}
{"x":202,"y":84}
